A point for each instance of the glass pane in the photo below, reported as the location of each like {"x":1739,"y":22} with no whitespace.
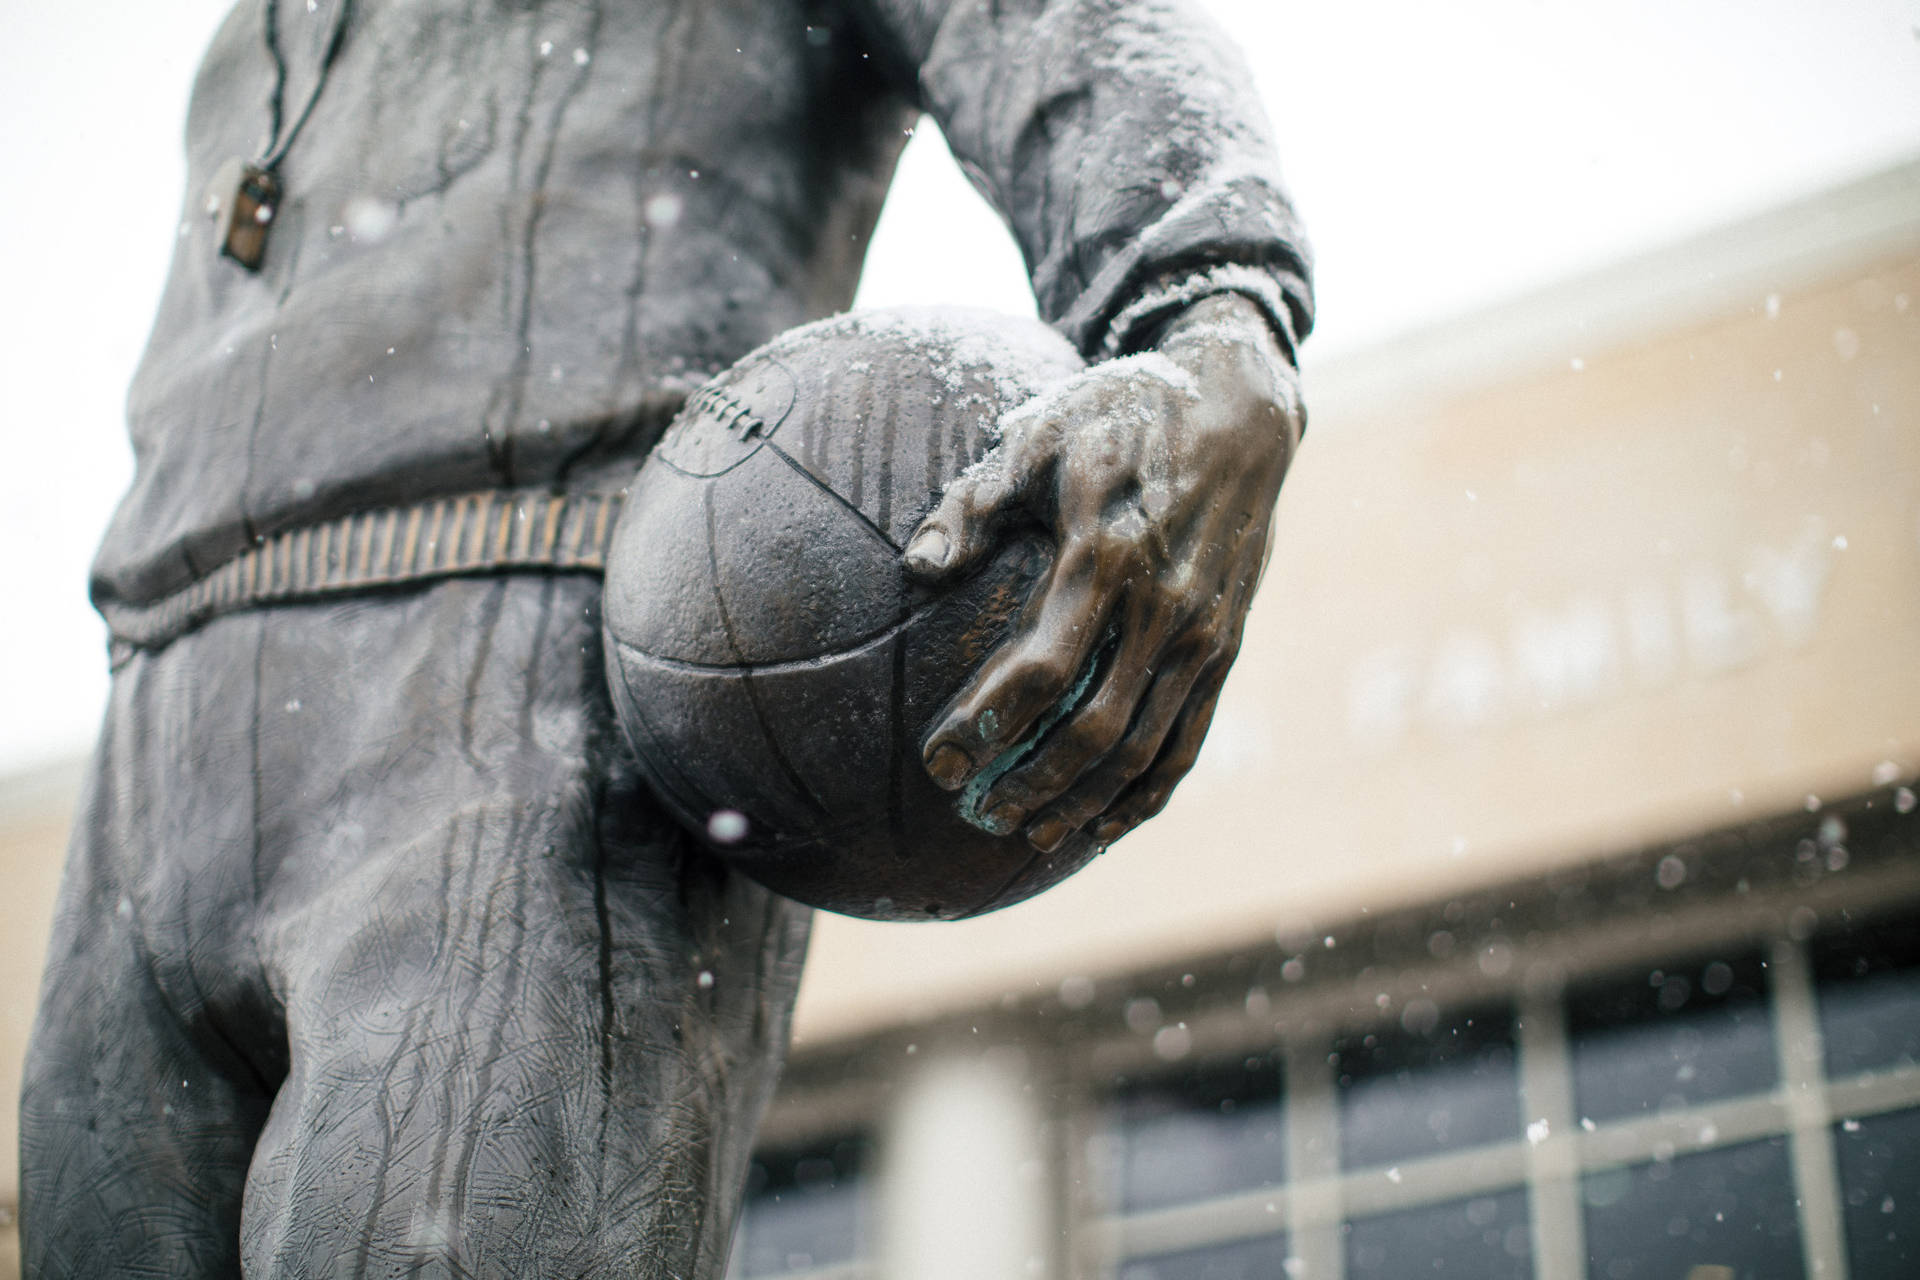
{"x":1879,"y":1161}
{"x":1485,"y":1238}
{"x":1671,"y":1038}
{"x":1404,"y":1095}
{"x":1868,"y":982}
{"x":1719,"y":1215}
{"x":803,"y":1209}
{"x":1202,"y":1133}
{"x":1262,"y":1259}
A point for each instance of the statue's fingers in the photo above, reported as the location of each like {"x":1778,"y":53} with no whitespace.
{"x":1125,"y":762}
{"x":1027,"y":675}
{"x":1150,"y":794}
{"x":1098,"y":721}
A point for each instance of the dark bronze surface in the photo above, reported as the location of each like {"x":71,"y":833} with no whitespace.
{"x":774,"y":666}
{"x":368,"y":926}
{"x":367,"y":920}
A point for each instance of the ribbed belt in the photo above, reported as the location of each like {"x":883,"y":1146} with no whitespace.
{"x":471,"y":533}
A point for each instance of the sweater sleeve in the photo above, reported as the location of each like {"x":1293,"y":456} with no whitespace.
{"x":1122,"y":142}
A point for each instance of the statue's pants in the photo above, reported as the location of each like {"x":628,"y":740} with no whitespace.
{"x":372,"y":959}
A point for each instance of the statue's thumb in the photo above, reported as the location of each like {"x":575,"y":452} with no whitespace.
{"x":930,"y":551}
{"x":957,"y":531}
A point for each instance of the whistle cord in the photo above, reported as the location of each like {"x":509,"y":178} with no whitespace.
{"x":336,"y":38}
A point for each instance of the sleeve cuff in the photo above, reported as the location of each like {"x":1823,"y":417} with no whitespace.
{"x":1135,"y":323}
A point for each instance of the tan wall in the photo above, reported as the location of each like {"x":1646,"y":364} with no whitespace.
{"x":32,"y":840}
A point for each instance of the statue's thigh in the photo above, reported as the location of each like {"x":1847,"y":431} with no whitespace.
{"x":137,"y":1115}
{"x":505,"y":1059}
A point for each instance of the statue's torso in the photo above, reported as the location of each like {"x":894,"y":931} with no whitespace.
{"x":511,"y":237}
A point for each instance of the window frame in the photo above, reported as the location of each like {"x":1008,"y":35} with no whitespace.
{"x":1750,"y":888}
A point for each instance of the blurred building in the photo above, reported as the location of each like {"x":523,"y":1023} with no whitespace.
{"x":1547,"y":901}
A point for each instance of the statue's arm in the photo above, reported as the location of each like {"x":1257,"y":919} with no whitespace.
{"x":1122,"y":142}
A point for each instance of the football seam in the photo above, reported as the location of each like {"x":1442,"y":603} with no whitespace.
{"x":780,"y":667}
{"x":823,"y":487}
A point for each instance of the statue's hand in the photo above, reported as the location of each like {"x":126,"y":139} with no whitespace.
{"x":1157,"y":474}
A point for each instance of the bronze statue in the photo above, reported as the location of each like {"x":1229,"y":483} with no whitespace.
{"x":373,"y":956}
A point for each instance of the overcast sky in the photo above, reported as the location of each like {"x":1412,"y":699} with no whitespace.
{"x":1445,"y":156}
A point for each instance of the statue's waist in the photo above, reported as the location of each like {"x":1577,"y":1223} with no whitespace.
{"x":490,"y":531}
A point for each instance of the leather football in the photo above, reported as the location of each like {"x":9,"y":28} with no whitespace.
{"x":772,"y":666}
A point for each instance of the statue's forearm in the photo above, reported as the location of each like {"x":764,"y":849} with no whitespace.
{"x":1123,"y":142}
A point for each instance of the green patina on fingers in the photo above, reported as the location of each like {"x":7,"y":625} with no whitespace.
{"x":971,"y":796}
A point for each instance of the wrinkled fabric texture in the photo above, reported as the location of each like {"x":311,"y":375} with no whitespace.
{"x":514,"y":236}
{"x":372,"y":961}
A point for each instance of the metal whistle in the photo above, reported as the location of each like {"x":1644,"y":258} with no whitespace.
{"x":243,"y":200}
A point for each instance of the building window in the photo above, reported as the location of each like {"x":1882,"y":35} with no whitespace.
{"x":1261,"y":1258}
{"x":1425,"y":1087}
{"x":1879,"y":1167}
{"x":805,"y":1214}
{"x":1868,"y":982}
{"x":1179,"y":1146}
{"x":1867,"y":989}
{"x":1720,"y":1088}
{"x":1684,"y":1120}
{"x":1671,"y":1037}
{"x":1196,"y":1135}
{"x":1479,"y":1238}
{"x":1728,"y":1211}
